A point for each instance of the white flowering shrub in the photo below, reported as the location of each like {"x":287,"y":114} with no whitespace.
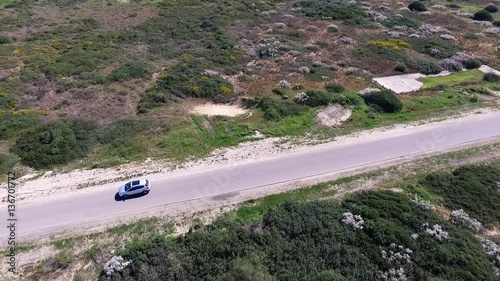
{"x":446,"y":37}
{"x":285,"y":84}
{"x":466,"y":15}
{"x":346,"y":40}
{"x":210,"y":73}
{"x":460,"y":217}
{"x":451,"y":65}
{"x":397,"y":255}
{"x":304,"y":70}
{"x":301,"y":97}
{"x":355,"y":221}
{"x":483,"y":23}
{"x":492,"y":250}
{"x":394,"y":275}
{"x":115,"y":264}
{"x":368,"y":91}
{"x":492,"y":30}
{"x":422,"y":204}
{"x":436,"y":231}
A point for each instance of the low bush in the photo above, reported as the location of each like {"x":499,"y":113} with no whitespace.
{"x":55,"y":143}
{"x":425,"y":65}
{"x":151,"y":100}
{"x":417,"y":6}
{"x":492,"y":8}
{"x":125,"y":128}
{"x":327,"y":8}
{"x":400,"y":67}
{"x":472,"y":188}
{"x":483,"y":15}
{"x":401,"y":21}
{"x":317,"y":98}
{"x":4,"y":40}
{"x":130,"y":70}
{"x":472,"y":63}
{"x":491,"y":77}
{"x":386,"y":100}
{"x":7,"y":161}
{"x":434,"y":46}
{"x":311,"y":241}
{"x":334,"y":88}
{"x":13,"y":125}
{"x":275,"y":110}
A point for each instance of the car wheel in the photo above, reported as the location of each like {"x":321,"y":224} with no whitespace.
{"x":145,"y":192}
{"x":124,"y":196}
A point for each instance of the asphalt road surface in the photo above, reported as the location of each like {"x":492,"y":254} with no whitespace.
{"x":40,"y":217}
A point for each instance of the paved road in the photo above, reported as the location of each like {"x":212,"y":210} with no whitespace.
{"x":41,"y":216}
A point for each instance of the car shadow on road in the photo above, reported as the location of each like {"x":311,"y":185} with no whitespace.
{"x":135,"y":196}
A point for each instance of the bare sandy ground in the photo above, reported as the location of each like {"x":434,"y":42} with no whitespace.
{"x":35,"y":187}
{"x":218,"y":109}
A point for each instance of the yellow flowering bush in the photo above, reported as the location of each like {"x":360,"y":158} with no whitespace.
{"x":392,"y":43}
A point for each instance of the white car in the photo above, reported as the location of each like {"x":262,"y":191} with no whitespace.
{"x":134,"y":187}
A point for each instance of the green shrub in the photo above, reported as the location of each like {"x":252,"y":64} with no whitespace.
{"x":327,"y":8}
{"x":386,"y":100}
{"x":4,"y":40}
{"x":400,"y":67}
{"x":151,"y":100}
{"x":472,"y":63}
{"x":14,"y":125}
{"x":332,"y":28}
{"x":483,"y":15}
{"x":353,"y":100}
{"x":377,"y":52}
{"x":491,"y":8}
{"x":279,"y":91}
{"x":417,"y":6}
{"x":425,"y":65}
{"x":491,"y":77}
{"x":130,"y":70}
{"x":429,"y":46}
{"x":7,"y":162}
{"x":318,"y":98}
{"x":472,"y":188}
{"x":275,"y":110}
{"x":309,"y":242}
{"x":54,"y":143}
{"x":334,"y":88}
{"x":402,"y":21}
{"x":125,"y":128}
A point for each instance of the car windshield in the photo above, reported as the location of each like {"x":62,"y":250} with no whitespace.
{"x":127,"y":186}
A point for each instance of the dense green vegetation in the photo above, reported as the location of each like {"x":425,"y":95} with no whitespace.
{"x":326,"y":8}
{"x":471,"y":188}
{"x":57,"y":142}
{"x":385,"y":101}
{"x":309,"y":241}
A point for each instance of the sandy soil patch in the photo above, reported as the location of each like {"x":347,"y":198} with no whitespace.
{"x":218,"y":109}
{"x":333,"y":115}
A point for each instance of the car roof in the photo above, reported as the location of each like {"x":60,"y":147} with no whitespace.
{"x":138,"y":182}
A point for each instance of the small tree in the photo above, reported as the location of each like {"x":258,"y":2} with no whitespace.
{"x":483,"y":15}
{"x":417,"y":6}
{"x":385,"y":100}
{"x":472,"y":63}
{"x":334,"y":88}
